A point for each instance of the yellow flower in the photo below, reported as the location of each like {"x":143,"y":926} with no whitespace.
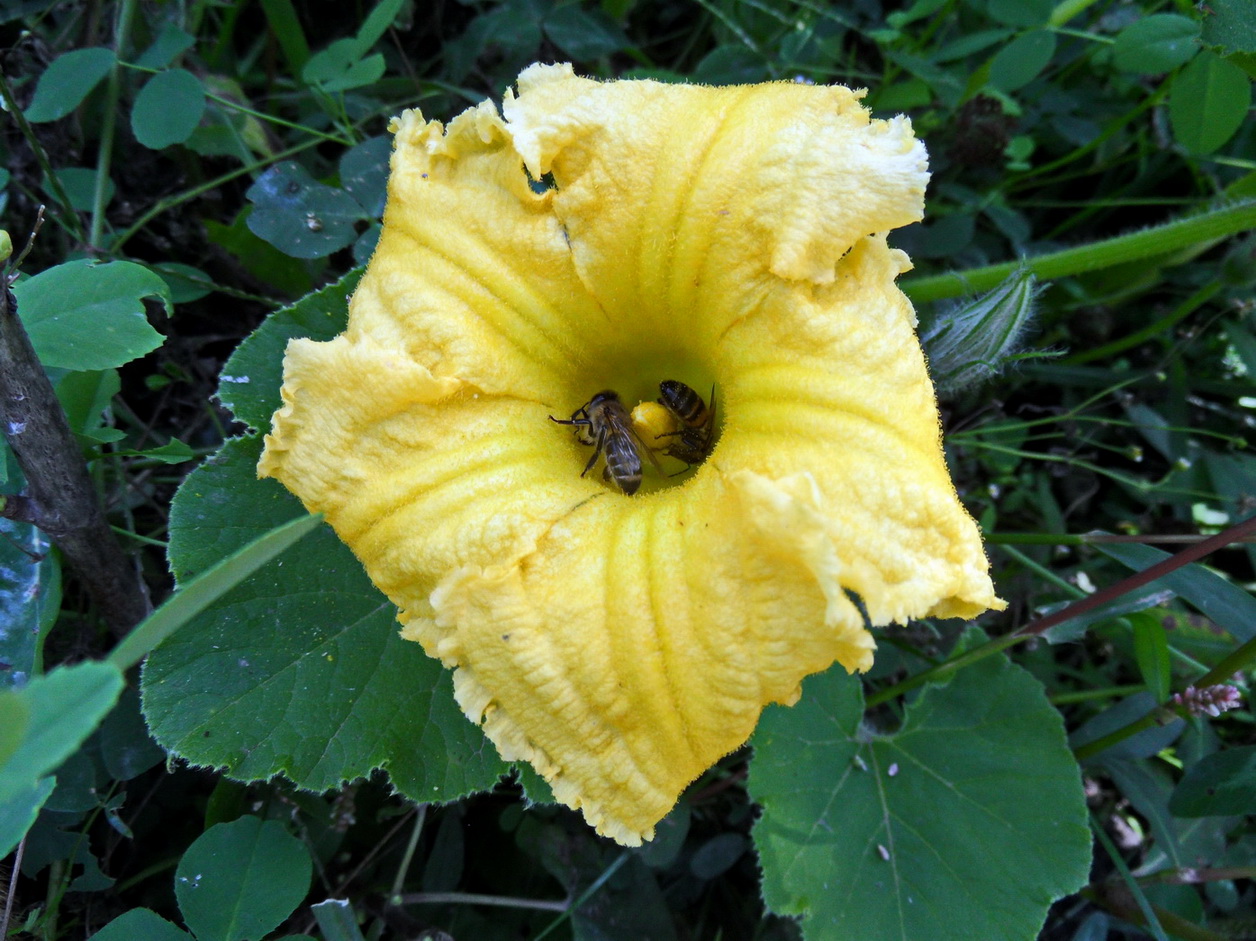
{"x":726,"y":237}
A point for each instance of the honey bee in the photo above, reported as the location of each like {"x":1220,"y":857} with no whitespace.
{"x":696,"y":436}
{"x":603,"y":422}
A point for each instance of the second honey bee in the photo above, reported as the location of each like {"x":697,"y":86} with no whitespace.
{"x":604,"y":423}
{"x":693,"y":442}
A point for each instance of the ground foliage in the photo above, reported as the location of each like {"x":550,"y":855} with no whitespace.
{"x":225,"y":160}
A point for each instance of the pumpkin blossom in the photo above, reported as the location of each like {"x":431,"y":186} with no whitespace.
{"x":598,"y":236}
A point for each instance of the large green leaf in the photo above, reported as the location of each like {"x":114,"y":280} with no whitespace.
{"x":1231,"y":25}
{"x":300,"y":216}
{"x":1155,"y":44}
{"x":249,"y":383}
{"x":64,"y":707}
{"x":239,"y":880}
{"x":67,"y":81}
{"x":19,"y":810}
{"x":168,"y":109}
{"x":1209,"y":101}
{"x":1021,"y":12}
{"x":1020,"y":61}
{"x":584,"y":34}
{"x":81,"y":315}
{"x":299,"y":670}
{"x":140,"y":924}
{"x":913,"y":835}
{"x":51,"y":717}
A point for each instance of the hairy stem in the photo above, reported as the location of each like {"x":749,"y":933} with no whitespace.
{"x":1174,"y":236}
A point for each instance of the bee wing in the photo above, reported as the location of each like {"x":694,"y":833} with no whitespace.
{"x":645,"y":449}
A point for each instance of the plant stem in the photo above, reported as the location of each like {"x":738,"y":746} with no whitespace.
{"x":71,"y":221}
{"x":109,"y":122}
{"x":943,"y":670}
{"x":1177,"y":235}
{"x":399,"y":880}
{"x":473,"y":898}
{"x":1102,"y":596}
{"x":1068,"y":9}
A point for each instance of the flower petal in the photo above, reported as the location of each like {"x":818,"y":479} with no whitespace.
{"x":619,"y":665}
{"x":472,"y":276}
{"x":680,"y":200}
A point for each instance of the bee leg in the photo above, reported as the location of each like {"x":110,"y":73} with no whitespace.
{"x":601,"y":443}
{"x":593,"y":460}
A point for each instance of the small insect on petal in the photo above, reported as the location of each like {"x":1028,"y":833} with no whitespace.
{"x":603,"y":422}
{"x":693,"y":442}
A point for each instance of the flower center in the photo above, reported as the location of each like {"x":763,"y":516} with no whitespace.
{"x":651,"y":445}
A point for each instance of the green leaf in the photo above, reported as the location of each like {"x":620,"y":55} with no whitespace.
{"x":584,"y":34}
{"x":65,"y":707}
{"x":173,"y":451}
{"x":1021,"y":12}
{"x":81,"y":315}
{"x":1140,"y":745}
{"x":79,"y":184}
{"x":30,"y":597}
{"x":1230,"y":606}
{"x":140,"y":924}
{"x":1219,"y":784}
{"x":126,"y":748}
{"x":285,"y":26}
{"x":300,"y":669}
{"x":300,"y":216}
{"x":240,"y":880}
{"x":85,"y":396}
{"x":341,"y":67}
{"x":67,"y":81}
{"x":168,"y":109}
{"x":1208,"y":102}
{"x":1151,"y":653}
{"x":336,"y":919}
{"x":15,"y":718}
{"x":376,"y":24}
{"x":170,"y":43}
{"x":1020,"y":61}
{"x":185,"y":282}
{"x":259,"y":258}
{"x":1076,"y":627}
{"x":909,"y":835}
{"x":364,"y":174}
{"x":1157,"y":43}
{"x":731,"y":65}
{"x":1231,"y":25}
{"x":198,"y":594}
{"x":1147,"y":787}
{"x":917,"y":11}
{"x":19,"y":811}
{"x":250,"y":380}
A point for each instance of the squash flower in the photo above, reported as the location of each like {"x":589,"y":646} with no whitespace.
{"x":611,"y":235}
